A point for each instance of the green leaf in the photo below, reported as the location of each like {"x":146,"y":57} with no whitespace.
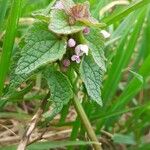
{"x":60,"y":23}
{"x":125,"y":25}
{"x":124,"y":139}
{"x":122,"y":58}
{"x":50,"y":145}
{"x":144,"y":146}
{"x":134,"y":86}
{"x":96,"y":44}
{"x":43,"y":14}
{"x":41,"y":47}
{"x":109,"y":115}
{"x":55,"y":144}
{"x":15,"y":79}
{"x":9,"y":41}
{"x":67,"y":4}
{"x":3,"y":8}
{"x":60,"y":89}
{"x":138,"y":76}
{"x":92,"y":75}
{"x":119,"y":15}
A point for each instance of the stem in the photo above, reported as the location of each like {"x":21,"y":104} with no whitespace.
{"x":9,"y":41}
{"x":86,"y":123}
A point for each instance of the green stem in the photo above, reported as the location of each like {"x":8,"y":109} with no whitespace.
{"x":86,"y":123}
{"x":9,"y":41}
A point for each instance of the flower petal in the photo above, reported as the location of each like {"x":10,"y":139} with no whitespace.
{"x":74,"y":57}
{"x":77,"y":50}
{"x":84,"y":49}
{"x":105,"y":34}
{"x":78,"y":60}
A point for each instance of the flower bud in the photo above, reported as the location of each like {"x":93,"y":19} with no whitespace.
{"x":71,"y":43}
{"x":66,"y":62}
{"x":86,"y":30}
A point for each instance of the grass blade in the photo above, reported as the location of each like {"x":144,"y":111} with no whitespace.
{"x":51,"y":145}
{"x":134,"y":86}
{"x":120,"y":15}
{"x":3,"y":8}
{"x":9,"y":41}
{"x":121,"y":60}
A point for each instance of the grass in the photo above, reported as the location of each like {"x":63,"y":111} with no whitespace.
{"x":9,"y":40}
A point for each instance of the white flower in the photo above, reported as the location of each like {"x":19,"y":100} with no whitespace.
{"x":81,"y":49}
{"x":76,"y":58}
{"x":78,"y":50}
{"x":105,"y":34}
{"x":84,"y":49}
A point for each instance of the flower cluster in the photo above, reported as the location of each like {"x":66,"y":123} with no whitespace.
{"x":80,"y":50}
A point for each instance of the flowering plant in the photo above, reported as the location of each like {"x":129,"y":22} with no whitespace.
{"x":57,"y":67}
{"x":65,"y":45}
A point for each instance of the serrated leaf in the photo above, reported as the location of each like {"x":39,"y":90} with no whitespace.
{"x":96,"y":44}
{"x":42,"y":47}
{"x":92,"y":75}
{"x":67,"y":4}
{"x":15,"y":79}
{"x":60,"y":23}
{"x":43,"y":14}
{"x":60,"y":89}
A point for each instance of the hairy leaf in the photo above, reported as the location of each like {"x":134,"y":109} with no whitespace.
{"x":96,"y":45}
{"x":92,"y":77}
{"x":60,"y":23}
{"x":15,"y":79}
{"x":42,"y":47}
{"x":43,"y":14}
{"x":67,"y":4}
{"x":60,"y":89}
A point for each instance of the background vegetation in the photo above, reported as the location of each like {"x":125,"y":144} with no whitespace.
{"x":123,"y":121}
